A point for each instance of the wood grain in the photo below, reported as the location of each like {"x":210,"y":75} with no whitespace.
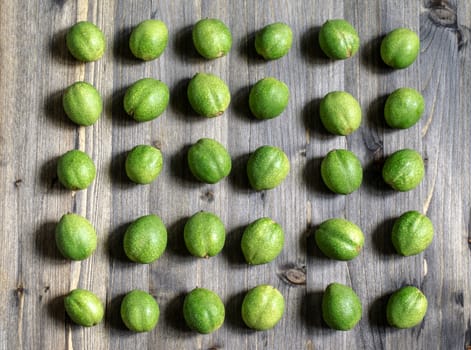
{"x":36,"y":68}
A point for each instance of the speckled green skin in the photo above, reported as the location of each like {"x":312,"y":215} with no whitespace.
{"x":341,"y":307}
{"x":262,"y":241}
{"x":208,"y":95}
{"x":400,"y":48}
{"x":212,"y":38}
{"x":146,"y":99}
{"x":274,"y":41}
{"x":82,"y":103}
{"x":76,"y":170}
{"x":209,"y":161}
{"x":149,"y":39}
{"x":139,"y":311}
{"x":338,"y":39}
{"x":341,"y":171}
{"x":268,"y":98}
{"x":403,"y":108}
{"x":85,"y":41}
{"x":204,"y":234}
{"x":412,"y":233}
{"x":76,"y":237}
{"x":340,"y":113}
{"x":406,"y":307}
{"x":203,"y":310}
{"x":263,"y":307}
{"x":339,"y":239}
{"x":404,"y":170}
{"x":84,"y":307}
{"x":143,"y":164}
{"x":145,"y":239}
{"x":267,"y":167}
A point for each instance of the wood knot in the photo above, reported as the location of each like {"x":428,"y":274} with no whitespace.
{"x":18,"y":183}
{"x":208,"y":196}
{"x":443,"y":13}
{"x":157,"y":144}
{"x":293,"y":275}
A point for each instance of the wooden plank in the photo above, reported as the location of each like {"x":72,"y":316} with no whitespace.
{"x":35,"y":70}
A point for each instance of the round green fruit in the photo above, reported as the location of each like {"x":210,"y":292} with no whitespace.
{"x":203,"y":310}
{"x":76,"y":170}
{"x":82,"y":103}
{"x":149,"y":39}
{"x":212,"y":38}
{"x":262,"y":241}
{"x":143,"y":164}
{"x":208,"y":95}
{"x":274,"y":41}
{"x":341,"y":171}
{"x":412,"y":233}
{"x":139,"y":311}
{"x":400,"y":48}
{"x":404,"y":170}
{"x":263,"y":307}
{"x":84,"y":307}
{"x":267,"y":167}
{"x":406,"y":307}
{"x":86,"y":41}
{"x":340,"y":113}
{"x":341,"y":307}
{"x":339,"y":239}
{"x":204,"y":234}
{"x":268,"y":98}
{"x":403,"y":108}
{"x":76,"y":237}
{"x":209,"y":161}
{"x":338,"y":39}
{"x":145,"y":239}
{"x":146,"y":99}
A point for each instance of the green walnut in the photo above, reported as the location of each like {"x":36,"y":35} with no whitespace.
{"x":412,"y":233}
{"x":145,"y":239}
{"x":400,"y":48}
{"x":406,"y":307}
{"x":84,"y":307}
{"x":146,"y":99}
{"x":267,"y":167}
{"x":274,"y":41}
{"x":404,"y":170}
{"x":341,"y":171}
{"x":76,"y":170}
{"x":139,"y":311}
{"x":203,"y":310}
{"x":82,"y":103}
{"x":212,"y":38}
{"x":149,"y":39}
{"x":209,"y":161}
{"x":268,"y":98}
{"x":403,"y":108}
{"x":76,"y":237}
{"x":341,"y":307}
{"x":338,"y":39}
{"x":208,"y":95}
{"x":143,"y":164}
{"x":262,"y":241}
{"x":339,"y":239}
{"x":85,"y":41}
{"x":340,"y":113}
{"x":263,"y":307}
{"x":204,"y":234}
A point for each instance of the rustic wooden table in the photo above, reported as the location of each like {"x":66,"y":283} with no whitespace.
{"x":35,"y":69}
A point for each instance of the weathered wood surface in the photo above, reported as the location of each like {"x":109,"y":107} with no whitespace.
{"x":36,"y":67}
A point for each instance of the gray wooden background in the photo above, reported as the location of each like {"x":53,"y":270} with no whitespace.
{"x":35,"y":69}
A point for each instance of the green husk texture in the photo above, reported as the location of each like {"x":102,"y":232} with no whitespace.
{"x":404,"y":170}
{"x":267,"y":168}
{"x":274,"y":41}
{"x":139,"y":311}
{"x":76,"y":170}
{"x":341,"y":171}
{"x":146,"y":99}
{"x":406,"y":307}
{"x":209,"y":161}
{"x":262,"y":241}
{"x":204,"y":234}
{"x":203,"y":310}
{"x":412,"y":233}
{"x":208,"y":95}
{"x":212,"y":38}
{"x":76,"y":237}
{"x":84,"y":307}
{"x":338,"y":39}
{"x":341,"y":307}
{"x":263,"y":307}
